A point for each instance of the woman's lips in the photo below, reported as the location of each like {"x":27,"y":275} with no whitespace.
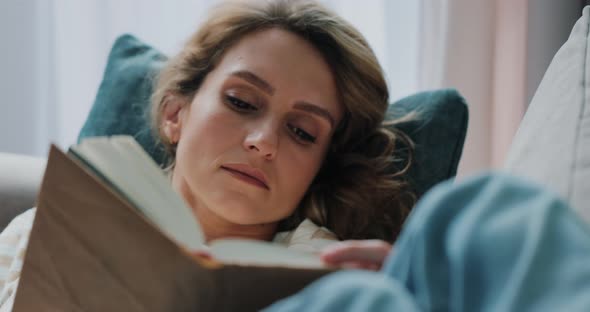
{"x":247,"y":174}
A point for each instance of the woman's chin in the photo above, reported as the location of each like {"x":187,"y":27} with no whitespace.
{"x":244,"y":215}
{"x":244,"y":207}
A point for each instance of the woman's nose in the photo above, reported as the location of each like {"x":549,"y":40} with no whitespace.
{"x":264,"y":141}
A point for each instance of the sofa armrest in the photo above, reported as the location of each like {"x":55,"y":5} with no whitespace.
{"x":20,"y":178}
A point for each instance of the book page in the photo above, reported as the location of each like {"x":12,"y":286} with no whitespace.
{"x":252,"y":252}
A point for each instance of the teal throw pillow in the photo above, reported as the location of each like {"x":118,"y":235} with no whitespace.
{"x":438,"y":132}
{"x":122,"y":103}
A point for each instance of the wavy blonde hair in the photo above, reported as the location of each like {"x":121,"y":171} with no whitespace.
{"x":358,"y":193}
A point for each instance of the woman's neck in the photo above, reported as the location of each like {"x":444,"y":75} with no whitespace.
{"x":215,"y":226}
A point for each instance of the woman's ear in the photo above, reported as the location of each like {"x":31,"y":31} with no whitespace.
{"x":172,"y":117}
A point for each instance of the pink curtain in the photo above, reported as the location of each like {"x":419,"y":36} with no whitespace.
{"x":479,"y":48}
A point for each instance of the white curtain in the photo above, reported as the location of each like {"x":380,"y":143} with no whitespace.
{"x":82,"y":33}
{"x":66,"y":44}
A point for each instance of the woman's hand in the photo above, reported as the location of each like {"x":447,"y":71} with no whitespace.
{"x":357,"y":254}
{"x":205,"y":258}
{"x":204,"y":254}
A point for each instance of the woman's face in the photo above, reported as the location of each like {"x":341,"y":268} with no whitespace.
{"x":257,"y":130}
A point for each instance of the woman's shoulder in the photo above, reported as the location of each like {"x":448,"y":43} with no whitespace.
{"x":307,"y":237}
{"x":17,"y":229}
{"x":23,"y":221}
{"x":13,"y":243}
{"x":12,"y":236}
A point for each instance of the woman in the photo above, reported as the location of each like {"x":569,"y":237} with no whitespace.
{"x":272,"y":115}
{"x":273,"y":118}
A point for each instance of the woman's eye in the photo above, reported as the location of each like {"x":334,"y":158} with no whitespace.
{"x":240,"y":105}
{"x":302,"y":134}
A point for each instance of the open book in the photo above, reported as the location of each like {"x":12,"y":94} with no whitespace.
{"x":122,"y":162}
{"x":110,"y":234}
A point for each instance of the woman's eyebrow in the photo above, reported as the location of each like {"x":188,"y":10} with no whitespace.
{"x":268,"y":88}
{"x":255,"y":80}
{"x":316,"y":110}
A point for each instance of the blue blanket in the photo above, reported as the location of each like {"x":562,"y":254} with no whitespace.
{"x":493,"y":243}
